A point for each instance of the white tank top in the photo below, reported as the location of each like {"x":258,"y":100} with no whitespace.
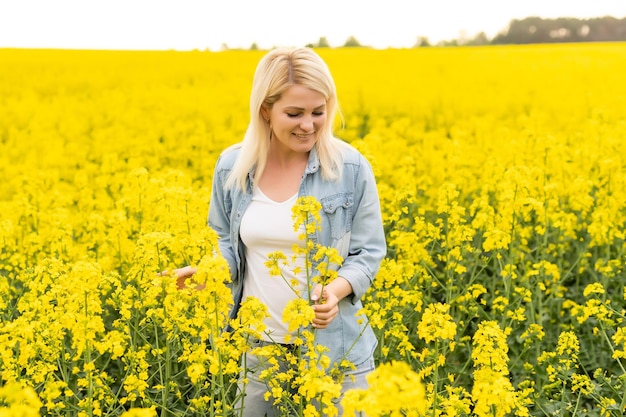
{"x":267,"y":227}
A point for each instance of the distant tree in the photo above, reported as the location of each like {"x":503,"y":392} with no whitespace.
{"x":422,"y":42}
{"x":605,"y":29}
{"x":452,"y":42}
{"x":479,"y":39}
{"x":528,"y":30}
{"x":254,"y":46}
{"x":323,"y":43}
{"x":352,"y":42}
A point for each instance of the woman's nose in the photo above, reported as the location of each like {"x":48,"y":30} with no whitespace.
{"x":306,"y":123}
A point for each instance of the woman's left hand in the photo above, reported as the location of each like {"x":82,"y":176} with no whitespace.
{"x":326,"y":300}
{"x":325,"y":307}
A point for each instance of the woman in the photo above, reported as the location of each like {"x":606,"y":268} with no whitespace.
{"x":289,"y":151}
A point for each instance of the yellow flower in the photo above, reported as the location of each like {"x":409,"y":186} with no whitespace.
{"x":607,"y":405}
{"x":298,"y":314}
{"x":18,"y":401}
{"x":582,"y":384}
{"x":490,"y":347}
{"x":196,"y":372}
{"x":140,"y":412}
{"x":306,"y":215}
{"x":532,"y":333}
{"x":492,"y":393}
{"x":249,"y":322}
{"x":436,"y":323}
{"x":456,"y":403}
{"x":619,"y":338}
{"x":394,"y":389}
{"x":276,"y":261}
{"x":594,"y":288}
{"x":568,"y":345}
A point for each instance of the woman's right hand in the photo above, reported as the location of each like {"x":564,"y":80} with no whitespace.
{"x":181,"y":275}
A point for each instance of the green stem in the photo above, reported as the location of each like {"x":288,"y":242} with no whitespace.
{"x":168,"y":371}
{"x":221,"y":383}
{"x":87,"y":360}
{"x":244,"y":364}
{"x":577,"y":403}
{"x":436,"y":379}
{"x":608,"y":341}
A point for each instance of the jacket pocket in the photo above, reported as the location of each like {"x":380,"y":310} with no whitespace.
{"x":338,"y":210}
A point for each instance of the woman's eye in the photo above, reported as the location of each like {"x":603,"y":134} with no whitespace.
{"x":315,"y":113}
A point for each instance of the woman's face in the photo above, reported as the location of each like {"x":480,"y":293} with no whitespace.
{"x":296,"y":119}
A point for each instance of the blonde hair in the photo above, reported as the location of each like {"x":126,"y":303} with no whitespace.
{"x":278,"y":70}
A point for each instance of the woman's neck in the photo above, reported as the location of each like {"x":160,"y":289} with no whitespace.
{"x":286,"y":158}
{"x":282,"y":175}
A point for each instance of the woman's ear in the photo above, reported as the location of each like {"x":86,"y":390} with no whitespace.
{"x":265,"y":113}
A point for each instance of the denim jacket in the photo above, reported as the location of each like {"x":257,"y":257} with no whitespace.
{"x":351,"y":222}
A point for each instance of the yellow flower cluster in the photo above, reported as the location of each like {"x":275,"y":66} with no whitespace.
{"x":394,"y":390}
{"x":18,"y":401}
{"x":503,"y":193}
{"x":436,"y":324}
{"x":493,"y":393}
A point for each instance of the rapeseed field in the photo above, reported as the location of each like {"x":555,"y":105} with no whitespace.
{"x":502,"y":178}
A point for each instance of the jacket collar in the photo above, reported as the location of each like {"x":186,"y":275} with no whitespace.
{"x":313,"y":165}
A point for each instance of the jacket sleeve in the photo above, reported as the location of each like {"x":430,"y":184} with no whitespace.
{"x":367,"y":241}
{"x":219,"y":216}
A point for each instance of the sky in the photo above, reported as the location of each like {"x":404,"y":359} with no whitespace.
{"x":210,"y":24}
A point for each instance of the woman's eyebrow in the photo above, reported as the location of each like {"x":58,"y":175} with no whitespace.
{"x":303,"y":109}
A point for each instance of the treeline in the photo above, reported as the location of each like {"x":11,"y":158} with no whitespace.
{"x":520,"y":31}
{"x":564,"y":29}
{"x":532,"y":30}
{"x":539,"y":30}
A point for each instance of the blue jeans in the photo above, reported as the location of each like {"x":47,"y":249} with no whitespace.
{"x":254,"y":404}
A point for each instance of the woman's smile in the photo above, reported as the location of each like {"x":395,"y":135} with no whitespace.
{"x":305,"y":135}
